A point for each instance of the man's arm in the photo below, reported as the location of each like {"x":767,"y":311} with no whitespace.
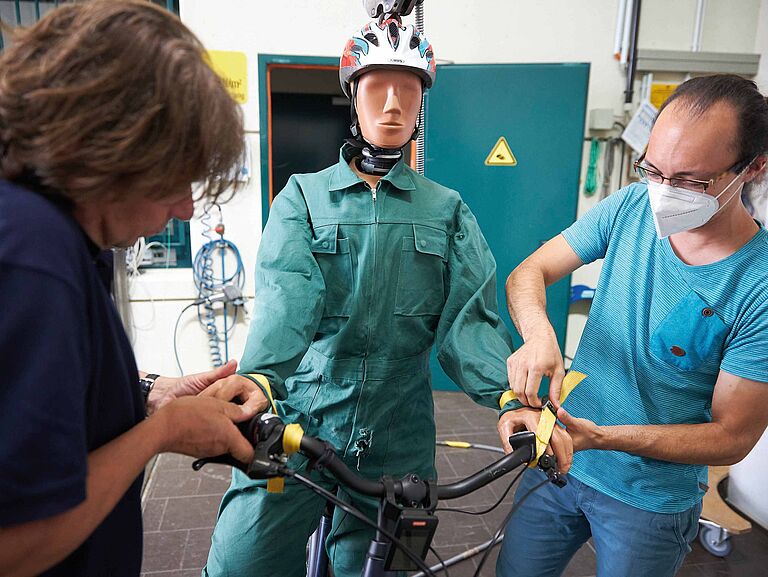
{"x":527,"y":302}
{"x":192,"y":426}
{"x":738,"y":420}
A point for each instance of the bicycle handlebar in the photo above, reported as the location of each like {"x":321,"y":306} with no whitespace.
{"x":273,"y":440}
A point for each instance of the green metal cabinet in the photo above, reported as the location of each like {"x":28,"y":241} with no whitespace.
{"x":539,"y":109}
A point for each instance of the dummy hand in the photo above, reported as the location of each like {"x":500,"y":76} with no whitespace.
{"x":538,"y":357}
{"x":203,"y":427}
{"x":585,"y":433}
{"x":167,"y":389}
{"x":524,"y":419}
{"x":238,"y":386}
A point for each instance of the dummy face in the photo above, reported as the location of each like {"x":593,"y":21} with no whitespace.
{"x":388,"y":104}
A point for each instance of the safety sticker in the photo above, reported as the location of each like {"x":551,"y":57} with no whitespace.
{"x":501,"y":155}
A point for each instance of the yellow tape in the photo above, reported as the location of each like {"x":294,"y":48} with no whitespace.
{"x":292,"y":436}
{"x":458,"y":444}
{"x":506,"y":397}
{"x":275,"y":485}
{"x":264,"y":382}
{"x":548,"y":418}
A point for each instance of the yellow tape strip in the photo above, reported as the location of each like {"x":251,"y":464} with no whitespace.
{"x":292,"y":436}
{"x":548,"y":418}
{"x":506,"y":397}
{"x":264,"y":382}
{"x":275,"y":485}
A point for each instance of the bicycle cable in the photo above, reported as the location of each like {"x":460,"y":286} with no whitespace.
{"x":176,"y":333}
{"x":443,"y":566}
{"x":503,"y":496}
{"x":500,"y":530}
{"x":346,"y":507}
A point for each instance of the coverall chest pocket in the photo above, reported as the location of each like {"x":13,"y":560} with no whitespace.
{"x":335,"y":261}
{"x":420,"y":289}
{"x":691,"y":335}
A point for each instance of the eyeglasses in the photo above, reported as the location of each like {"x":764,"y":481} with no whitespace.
{"x":690,"y":184}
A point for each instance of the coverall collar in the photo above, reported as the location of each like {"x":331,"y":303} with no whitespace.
{"x":343,"y":176}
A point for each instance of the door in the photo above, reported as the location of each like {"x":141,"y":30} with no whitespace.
{"x":520,"y":199}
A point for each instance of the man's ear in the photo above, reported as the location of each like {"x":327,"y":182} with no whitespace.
{"x":757,"y":169}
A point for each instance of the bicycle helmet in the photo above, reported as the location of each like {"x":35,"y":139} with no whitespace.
{"x":387,"y":44}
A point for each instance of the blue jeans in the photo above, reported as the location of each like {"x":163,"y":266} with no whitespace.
{"x":553,"y":523}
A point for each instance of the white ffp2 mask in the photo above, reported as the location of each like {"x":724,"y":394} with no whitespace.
{"x":677,"y":210}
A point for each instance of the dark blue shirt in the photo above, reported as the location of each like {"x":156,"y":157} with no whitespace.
{"x":69,"y":383}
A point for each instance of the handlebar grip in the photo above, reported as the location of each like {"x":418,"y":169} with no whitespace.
{"x":523,"y":444}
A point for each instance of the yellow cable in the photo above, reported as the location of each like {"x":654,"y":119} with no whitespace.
{"x":458,"y":444}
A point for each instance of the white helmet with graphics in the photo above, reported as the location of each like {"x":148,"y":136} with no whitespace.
{"x":387,"y":44}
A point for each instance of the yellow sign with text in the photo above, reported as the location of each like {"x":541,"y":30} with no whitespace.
{"x":233,"y":69}
{"x":501,"y":155}
{"x":660,"y":92}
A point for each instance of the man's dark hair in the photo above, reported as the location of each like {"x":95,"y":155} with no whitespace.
{"x":698,"y":95}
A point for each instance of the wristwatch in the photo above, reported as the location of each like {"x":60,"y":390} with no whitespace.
{"x":146,"y":383}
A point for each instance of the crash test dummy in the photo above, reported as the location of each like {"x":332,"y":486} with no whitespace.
{"x":363,"y":267}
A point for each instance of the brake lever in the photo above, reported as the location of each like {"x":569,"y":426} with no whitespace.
{"x":265,"y":433}
{"x":225,"y":459}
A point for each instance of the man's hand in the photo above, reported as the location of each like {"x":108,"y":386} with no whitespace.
{"x":167,"y":389}
{"x":203,"y":427}
{"x":585,"y":433}
{"x":560,"y":444}
{"x":538,"y":357}
{"x":238,"y":386}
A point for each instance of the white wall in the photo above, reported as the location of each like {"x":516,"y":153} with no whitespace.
{"x":461,"y":31}
{"x":761,"y":47}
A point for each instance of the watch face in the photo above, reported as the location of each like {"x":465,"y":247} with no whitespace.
{"x":146,"y":384}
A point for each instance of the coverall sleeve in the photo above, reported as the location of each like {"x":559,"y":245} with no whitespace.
{"x":290,"y":293}
{"x":472,"y":341}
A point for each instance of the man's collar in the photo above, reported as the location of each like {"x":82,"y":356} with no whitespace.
{"x":344,"y":177}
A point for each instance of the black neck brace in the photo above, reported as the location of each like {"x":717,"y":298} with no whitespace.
{"x":374,"y":160}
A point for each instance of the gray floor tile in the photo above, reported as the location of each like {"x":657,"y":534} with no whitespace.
{"x":164,"y":550}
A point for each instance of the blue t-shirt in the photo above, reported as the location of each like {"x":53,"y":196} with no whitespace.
{"x":69,"y":380}
{"x":658,"y":333}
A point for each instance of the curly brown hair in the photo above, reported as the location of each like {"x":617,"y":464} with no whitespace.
{"x":106,"y":98}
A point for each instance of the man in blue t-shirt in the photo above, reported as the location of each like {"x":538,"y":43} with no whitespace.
{"x":675,"y":348}
{"x":108,"y":113}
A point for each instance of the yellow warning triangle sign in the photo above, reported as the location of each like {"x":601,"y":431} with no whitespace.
{"x":501,"y":155}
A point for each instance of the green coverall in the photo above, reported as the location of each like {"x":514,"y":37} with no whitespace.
{"x":347,"y":309}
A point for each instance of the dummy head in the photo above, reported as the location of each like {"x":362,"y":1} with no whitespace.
{"x":384,"y":69}
{"x":388,"y":102}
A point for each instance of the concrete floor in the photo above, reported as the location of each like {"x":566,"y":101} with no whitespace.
{"x":180,"y":510}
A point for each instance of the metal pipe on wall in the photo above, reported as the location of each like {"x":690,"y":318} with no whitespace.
{"x":619,"y":34}
{"x":632,"y":52}
{"x":698,"y":25}
{"x":422,"y":116}
{"x":626,"y":31}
